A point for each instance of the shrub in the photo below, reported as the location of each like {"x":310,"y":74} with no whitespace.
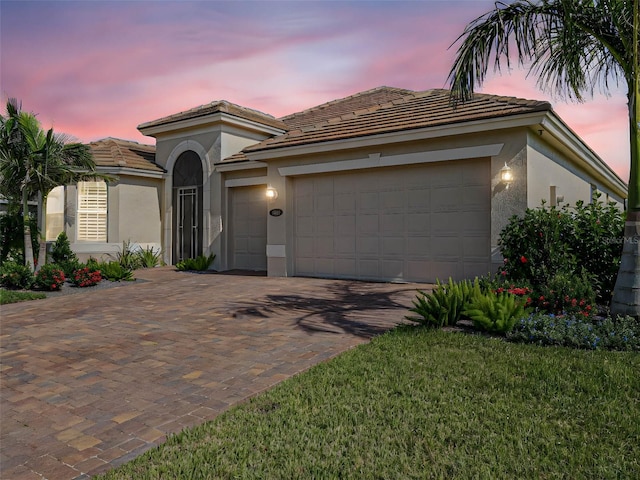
{"x":86,"y":277}
{"x":69,"y":267}
{"x":546,"y":242}
{"x":623,"y":333}
{"x":200,"y":263}
{"x":15,"y":275}
{"x":495,"y":312}
{"x":112,"y":271}
{"x":63,"y":256}
{"x":597,"y":242}
{"x":148,"y":258}
{"x":61,"y":252}
{"x":535,"y":247}
{"x":128,"y":258}
{"x":444,"y":305}
{"x":566,"y":293}
{"x":49,"y":277}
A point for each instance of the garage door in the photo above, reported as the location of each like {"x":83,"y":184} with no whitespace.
{"x":416,"y":223}
{"x":248,"y":228}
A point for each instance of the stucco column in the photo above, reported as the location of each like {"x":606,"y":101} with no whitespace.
{"x":277,"y":226}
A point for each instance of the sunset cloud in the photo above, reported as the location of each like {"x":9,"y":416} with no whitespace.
{"x":100,"y":68}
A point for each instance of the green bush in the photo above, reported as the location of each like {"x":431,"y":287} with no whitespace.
{"x":63,"y":256}
{"x":49,"y":277}
{"x":576,"y":331}
{"x":61,"y":252}
{"x":69,"y":267}
{"x":15,"y":275}
{"x":444,"y":305}
{"x":495,"y":312}
{"x":536,"y":246}
{"x":597,"y":243}
{"x":546,"y":242}
{"x":566,"y":293}
{"x":200,"y":263}
{"x":112,"y":271}
{"x":128,"y":258}
{"x":149,"y":258}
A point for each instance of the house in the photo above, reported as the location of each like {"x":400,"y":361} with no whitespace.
{"x":98,"y":217}
{"x":387,"y":184}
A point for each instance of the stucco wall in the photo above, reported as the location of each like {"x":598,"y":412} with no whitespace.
{"x":547,"y":167}
{"x":208,"y":139}
{"x":212,"y":143}
{"x":133,"y":215}
{"x":505,"y":202}
{"x":139,"y":214}
{"x":55,"y":213}
{"x":234,"y":139}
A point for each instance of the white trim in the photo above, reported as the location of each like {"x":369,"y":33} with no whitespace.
{"x":134,"y":172}
{"x":235,"y":166}
{"x":217,"y":117}
{"x":585,"y":157}
{"x":276,"y":251}
{"x":245,"y":182}
{"x":375,"y":160}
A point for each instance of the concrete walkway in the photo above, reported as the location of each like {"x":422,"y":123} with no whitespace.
{"x":92,"y":380}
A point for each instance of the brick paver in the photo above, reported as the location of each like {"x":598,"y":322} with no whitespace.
{"x":91,"y":380}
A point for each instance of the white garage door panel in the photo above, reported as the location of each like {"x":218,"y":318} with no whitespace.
{"x":416,"y":223}
{"x":249,"y":228}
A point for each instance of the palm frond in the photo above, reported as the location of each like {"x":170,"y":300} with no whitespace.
{"x":572,"y":46}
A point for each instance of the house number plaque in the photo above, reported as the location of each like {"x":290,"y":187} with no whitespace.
{"x":276,"y":212}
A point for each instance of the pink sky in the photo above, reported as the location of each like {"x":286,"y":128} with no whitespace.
{"x":100,"y":68}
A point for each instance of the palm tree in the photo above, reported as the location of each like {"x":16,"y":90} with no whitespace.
{"x":32,"y":163}
{"x":61,"y":163}
{"x":16,"y":163}
{"x":572,"y":46}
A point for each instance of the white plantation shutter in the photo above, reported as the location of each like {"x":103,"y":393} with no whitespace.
{"x":92,"y":211}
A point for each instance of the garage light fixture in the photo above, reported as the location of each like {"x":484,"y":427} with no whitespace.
{"x":506,"y":175}
{"x":272,"y":193}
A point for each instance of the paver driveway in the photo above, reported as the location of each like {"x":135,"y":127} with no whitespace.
{"x":94,"y":379}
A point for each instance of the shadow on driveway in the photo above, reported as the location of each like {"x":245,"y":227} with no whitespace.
{"x":352,"y":308}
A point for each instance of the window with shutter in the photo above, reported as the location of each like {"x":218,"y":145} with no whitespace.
{"x":92,"y":211}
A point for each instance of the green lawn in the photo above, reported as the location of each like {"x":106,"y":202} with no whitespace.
{"x":13,"y":296}
{"x":417,"y":403}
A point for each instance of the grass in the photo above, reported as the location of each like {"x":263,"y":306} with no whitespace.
{"x":14,"y":296}
{"x":418,"y":403}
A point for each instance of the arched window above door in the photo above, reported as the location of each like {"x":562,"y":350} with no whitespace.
{"x":187,"y":170}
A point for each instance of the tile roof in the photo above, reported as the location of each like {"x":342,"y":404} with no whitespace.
{"x":220,"y":106}
{"x":114,"y":152}
{"x":386,"y":110}
{"x":339,"y":107}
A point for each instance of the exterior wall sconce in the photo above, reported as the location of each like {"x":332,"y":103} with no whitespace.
{"x":506,"y":175}
{"x":271,"y":193}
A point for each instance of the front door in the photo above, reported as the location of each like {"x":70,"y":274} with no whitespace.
{"x":187,"y":234}
{"x":187,"y":212}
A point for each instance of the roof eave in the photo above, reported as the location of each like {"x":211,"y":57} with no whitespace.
{"x":583,"y":155}
{"x":238,"y":165}
{"x":135,"y":172}
{"x":424,"y":133}
{"x":210,"y":119}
